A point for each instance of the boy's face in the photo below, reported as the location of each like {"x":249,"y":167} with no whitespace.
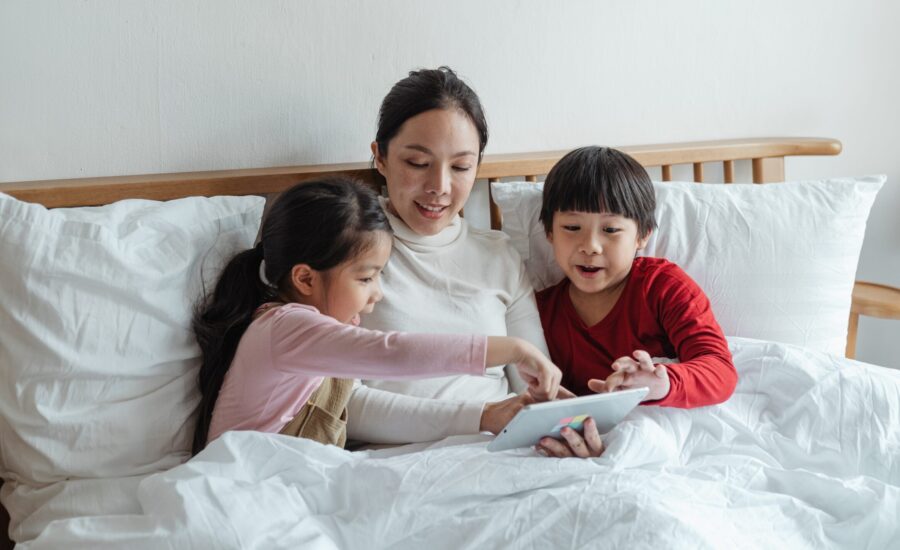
{"x":595,"y":251}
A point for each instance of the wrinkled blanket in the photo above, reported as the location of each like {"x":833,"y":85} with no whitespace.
{"x":806,"y":454}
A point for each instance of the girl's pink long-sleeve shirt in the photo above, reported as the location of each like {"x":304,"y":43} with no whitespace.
{"x":285,"y":353}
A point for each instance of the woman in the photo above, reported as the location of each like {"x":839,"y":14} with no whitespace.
{"x":444,"y":275}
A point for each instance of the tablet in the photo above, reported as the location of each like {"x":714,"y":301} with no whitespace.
{"x":547,"y":419}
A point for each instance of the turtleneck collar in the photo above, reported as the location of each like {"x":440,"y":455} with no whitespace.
{"x":409,"y":237}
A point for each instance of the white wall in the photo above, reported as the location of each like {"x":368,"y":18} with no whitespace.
{"x":95,"y":87}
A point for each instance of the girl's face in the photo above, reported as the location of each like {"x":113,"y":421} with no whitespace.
{"x":430,"y":168}
{"x":595,"y":251}
{"x":354,"y":287}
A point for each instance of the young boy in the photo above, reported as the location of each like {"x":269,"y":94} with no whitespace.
{"x":615,"y":312}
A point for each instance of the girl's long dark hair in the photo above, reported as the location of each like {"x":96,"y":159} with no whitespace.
{"x":322,"y":223}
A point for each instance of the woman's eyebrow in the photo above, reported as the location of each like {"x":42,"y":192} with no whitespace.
{"x":420,"y":148}
{"x":427,"y":151}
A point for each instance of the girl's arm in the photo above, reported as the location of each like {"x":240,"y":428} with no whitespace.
{"x":524,"y":321}
{"x":302,"y":340}
{"x":305,"y":341}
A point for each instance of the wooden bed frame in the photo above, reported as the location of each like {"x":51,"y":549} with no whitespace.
{"x":766,"y":156}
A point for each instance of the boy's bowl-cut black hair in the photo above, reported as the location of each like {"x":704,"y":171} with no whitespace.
{"x":601,"y":180}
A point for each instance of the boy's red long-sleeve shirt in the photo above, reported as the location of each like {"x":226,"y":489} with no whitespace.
{"x":662,"y":311}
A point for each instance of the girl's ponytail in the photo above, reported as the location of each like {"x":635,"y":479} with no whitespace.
{"x":320,"y":223}
{"x":219,"y":323}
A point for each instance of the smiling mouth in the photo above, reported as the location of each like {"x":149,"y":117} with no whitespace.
{"x":431,"y":210}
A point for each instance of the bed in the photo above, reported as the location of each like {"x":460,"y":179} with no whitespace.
{"x":98,"y":370}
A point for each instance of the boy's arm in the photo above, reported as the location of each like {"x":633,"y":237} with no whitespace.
{"x":705,"y":373}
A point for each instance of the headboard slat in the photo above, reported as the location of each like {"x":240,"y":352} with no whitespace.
{"x":768,"y":170}
{"x":494,"y":208}
{"x":728,"y":170}
{"x":666,"y":172}
{"x":698,"y":172}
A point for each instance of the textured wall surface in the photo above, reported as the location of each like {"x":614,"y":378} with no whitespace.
{"x":93,"y":88}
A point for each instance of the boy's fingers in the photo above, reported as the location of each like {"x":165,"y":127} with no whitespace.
{"x":597,"y":385}
{"x":555,"y":448}
{"x":576,"y":443}
{"x":661,"y":371}
{"x":626,"y":364}
{"x":614,"y":380}
{"x":645,"y":362}
{"x":592,"y":437}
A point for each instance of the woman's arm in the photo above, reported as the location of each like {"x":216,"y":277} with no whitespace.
{"x":436,"y":419}
{"x":378,"y":416}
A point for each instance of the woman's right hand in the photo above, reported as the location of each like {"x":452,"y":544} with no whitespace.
{"x":541,"y":375}
{"x":496,"y":415}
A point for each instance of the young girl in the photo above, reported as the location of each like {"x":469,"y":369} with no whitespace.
{"x":282,"y":321}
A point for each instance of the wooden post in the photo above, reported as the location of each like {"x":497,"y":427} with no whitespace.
{"x":768,"y":170}
{"x":728,"y":167}
{"x":496,"y":215}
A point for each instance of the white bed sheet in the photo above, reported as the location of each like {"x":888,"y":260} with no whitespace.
{"x":806,"y":454}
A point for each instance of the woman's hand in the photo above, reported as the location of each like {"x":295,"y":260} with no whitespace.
{"x":586,"y":445}
{"x":541,"y":375}
{"x":634,"y":373}
{"x":495,"y":416}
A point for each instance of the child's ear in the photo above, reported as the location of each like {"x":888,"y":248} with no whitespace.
{"x":549,"y":237}
{"x":304,"y":279}
{"x":642,"y":241}
{"x":379,"y":160}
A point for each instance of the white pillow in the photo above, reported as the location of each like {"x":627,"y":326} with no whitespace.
{"x":778,"y":260}
{"x":98,"y":364}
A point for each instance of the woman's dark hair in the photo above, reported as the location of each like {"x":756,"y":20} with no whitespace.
{"x":600,"y":179}
{"x":322,"y":223}
{"x":424,"y":90}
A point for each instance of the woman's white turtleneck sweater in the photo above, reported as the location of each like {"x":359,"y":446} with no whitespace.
{"x":462,"y":280}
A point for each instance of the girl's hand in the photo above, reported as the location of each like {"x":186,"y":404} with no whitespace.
{"x":634,"y":373}
{"x":541,"y":375}
{"x":536,"y":370}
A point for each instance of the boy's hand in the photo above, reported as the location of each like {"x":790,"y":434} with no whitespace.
{"x":585,"y":445}
{"x":634,"y":373}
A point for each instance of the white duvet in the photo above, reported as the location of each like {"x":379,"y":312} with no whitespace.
{"x":806,"y":454}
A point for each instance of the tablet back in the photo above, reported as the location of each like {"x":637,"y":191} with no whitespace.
{"x":547,"y":419}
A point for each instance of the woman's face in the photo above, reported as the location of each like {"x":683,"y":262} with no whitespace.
{"x":430,"y":168}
